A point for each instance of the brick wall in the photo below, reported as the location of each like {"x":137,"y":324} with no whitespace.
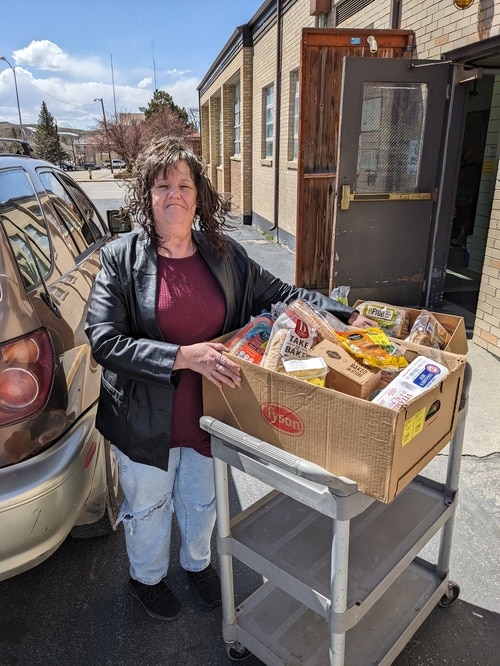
{"x":487,"y":323}
{"x":251,"y":179}
{"x":440,"y":26}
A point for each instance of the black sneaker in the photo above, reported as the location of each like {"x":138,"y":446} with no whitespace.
{"x":158,"y":600}
{"x":207,"y":584}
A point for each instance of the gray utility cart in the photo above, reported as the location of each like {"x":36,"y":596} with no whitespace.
{"x":343,"y":582}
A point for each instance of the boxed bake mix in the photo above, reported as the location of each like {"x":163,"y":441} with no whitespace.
{"x":339,"y":425}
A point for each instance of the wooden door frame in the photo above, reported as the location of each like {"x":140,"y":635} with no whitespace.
{"x":322,"y":53}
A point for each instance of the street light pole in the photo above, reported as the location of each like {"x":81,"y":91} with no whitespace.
{"x":17,"y":95}
{"x":99,"y":99}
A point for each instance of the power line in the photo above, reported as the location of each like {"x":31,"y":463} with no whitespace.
{"x":46,"y":94}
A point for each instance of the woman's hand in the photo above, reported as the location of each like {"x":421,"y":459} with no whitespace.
{"x":207,"y":359}
{"x":360,"y":321}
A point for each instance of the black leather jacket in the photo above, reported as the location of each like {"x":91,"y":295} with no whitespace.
{"x":135,"y":404}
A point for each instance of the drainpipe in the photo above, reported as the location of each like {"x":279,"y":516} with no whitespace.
{"x":277,"y":119}
{"x":395,"y":15}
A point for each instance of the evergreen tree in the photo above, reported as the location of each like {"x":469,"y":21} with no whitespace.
{"x":163,"y":100}
{"x":46,"y":140}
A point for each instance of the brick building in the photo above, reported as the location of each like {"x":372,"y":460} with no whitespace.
{"x":249,"y":116}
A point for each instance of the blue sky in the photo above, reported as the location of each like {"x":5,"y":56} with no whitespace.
{"x":68,"y":53}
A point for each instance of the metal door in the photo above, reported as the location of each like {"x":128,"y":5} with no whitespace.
{"x":390,"y":142}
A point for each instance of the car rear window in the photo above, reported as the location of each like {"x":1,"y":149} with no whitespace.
{"x":24,"y":225}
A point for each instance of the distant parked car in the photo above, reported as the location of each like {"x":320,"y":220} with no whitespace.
{"x":57,"y":473}
{"x":66,"y":167}
{"x":117,"y":164}
{"x":91,"y":166}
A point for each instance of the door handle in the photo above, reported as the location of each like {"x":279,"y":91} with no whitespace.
{"x":346,"y":196}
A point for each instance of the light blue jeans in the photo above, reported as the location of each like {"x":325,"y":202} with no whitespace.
{"x":151,"y":497}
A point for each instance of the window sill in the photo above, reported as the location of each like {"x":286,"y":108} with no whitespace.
{"x":267,"y":163}
{"x":292,"y":165}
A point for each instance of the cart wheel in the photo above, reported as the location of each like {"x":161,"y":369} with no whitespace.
{"x":237,"y":652}
{"x":451,"y":594}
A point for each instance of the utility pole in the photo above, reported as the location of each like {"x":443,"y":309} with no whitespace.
{"x":113,"y":81}
{"x":99,"y":99}
{"x":17,"y":96}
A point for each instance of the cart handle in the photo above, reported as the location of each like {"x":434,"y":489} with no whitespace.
{"x":271,"y":454}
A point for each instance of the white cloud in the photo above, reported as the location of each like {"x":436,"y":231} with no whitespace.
{"x":69,"y":84}
{"x":42,"y":54}
{"x":145,"y":83}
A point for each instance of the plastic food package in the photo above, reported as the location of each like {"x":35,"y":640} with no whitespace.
{"x":325,"y":323}
{"x":393,"y":320}
{"x":427,"y":331}
{"x":291,"y":337}
{"x":312,"y":370}
{"x":340,"y":294}
{"x":372,"y":346}
{"x":250,"y":342}
{"x":419,"y":376}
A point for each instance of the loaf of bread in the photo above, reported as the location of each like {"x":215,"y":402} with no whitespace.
{"x":314,"y":319}
{"x":427,"y":331}
{"x":393,"y":320}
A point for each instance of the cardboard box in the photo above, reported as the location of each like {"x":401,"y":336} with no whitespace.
{"x":345,"y":373}
{"x":454,"y":325}
{"x":379,"y":448}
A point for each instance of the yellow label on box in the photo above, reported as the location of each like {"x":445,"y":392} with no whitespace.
{"x":413,"y":426}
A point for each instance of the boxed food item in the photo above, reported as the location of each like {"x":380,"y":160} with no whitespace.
{"x":454,"y":325}
{"x":379,"y":448}
{"x":419,"y":376}
{"x":346,"y":374}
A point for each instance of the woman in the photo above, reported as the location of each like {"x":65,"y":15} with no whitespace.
{"x":162,"y":293}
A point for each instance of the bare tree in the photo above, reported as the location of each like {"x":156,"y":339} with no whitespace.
{"x":126,"y":134}
{"x":194,"y":118}
{"x":125,"y":137}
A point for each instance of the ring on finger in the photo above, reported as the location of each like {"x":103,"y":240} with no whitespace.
{"x":218,"y":367}
{"x":220,"y":359}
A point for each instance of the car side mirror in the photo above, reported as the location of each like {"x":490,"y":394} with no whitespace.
{"x":118,"y":222}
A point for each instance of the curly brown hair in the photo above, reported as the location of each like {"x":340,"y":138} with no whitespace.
{"x":162,"y":153}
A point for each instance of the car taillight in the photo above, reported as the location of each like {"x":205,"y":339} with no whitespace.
{"x":26,"y":376}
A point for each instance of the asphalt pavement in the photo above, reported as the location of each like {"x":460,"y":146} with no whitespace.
{"x":74,"y":608}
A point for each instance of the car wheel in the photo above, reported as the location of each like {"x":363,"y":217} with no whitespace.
{"x":114,"y":497}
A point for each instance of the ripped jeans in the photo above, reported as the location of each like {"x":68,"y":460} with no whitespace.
{"x":151,"y":496}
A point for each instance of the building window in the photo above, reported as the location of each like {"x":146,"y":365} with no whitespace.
{"x":268,"y":99}
{"x":237,"y":120}
{"x":294,"y":117}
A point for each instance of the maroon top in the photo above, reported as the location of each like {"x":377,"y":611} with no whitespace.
{"x":190,"y":308}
